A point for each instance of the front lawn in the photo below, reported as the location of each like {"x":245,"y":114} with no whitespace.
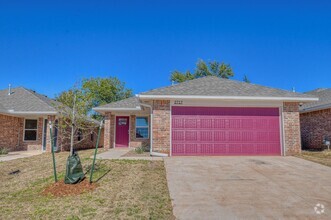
{"x":321,"y":157}
{"x":126,"y":190}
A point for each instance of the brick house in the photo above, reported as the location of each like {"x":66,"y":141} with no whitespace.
{"x":315,"y":118}
{"x":207,"y":116}
{"x":24,"y":118}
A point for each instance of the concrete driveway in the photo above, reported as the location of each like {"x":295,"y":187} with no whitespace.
{"x":248,"y":187}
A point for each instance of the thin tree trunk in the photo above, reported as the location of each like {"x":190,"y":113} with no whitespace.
{"x":72,"y":128}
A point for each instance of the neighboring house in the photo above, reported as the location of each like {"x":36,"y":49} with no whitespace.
{"x":24,"y":118}
{"x":207,"y":116}
{"x":315,"y":120}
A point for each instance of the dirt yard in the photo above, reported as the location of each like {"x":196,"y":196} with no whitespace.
{"x":125,"y":190}
{"x":321,"y":157}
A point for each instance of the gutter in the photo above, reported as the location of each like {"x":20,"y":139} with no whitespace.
{"x":151,"y":135}
{"x":260,"y":98}
{"x":316,"y":108}
{"x":12,"y":112}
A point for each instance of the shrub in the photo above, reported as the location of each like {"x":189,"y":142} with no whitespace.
{"x":3,"y":150}
{"x":139,"y":150}
{"x":143,"y":148}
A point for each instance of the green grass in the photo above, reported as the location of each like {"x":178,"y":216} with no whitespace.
{"x":128,"y":189}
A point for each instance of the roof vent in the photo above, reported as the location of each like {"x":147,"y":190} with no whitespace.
{"x":9,"y":89}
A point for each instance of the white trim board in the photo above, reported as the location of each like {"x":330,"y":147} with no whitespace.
{"x":260,"y":98}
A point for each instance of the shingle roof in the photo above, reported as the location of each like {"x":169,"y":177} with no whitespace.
{"x":324,"y":96}
{"x":25,"y":100}
{"x":209,"y":86}
{"x":131,"y":102}
{"x":215,"y":86}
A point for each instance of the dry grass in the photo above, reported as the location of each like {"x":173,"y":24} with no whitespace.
{"x":321,"y":157}
{"x":127,"y":190}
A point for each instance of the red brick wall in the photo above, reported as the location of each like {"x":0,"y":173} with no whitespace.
{"x":109,"y":130}
{"x":12,"y":131}
{"x":314,"y":127}
{"x":292,"y":136}
{"x":161,"y":126}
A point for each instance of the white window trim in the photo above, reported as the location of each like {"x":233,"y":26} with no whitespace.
{"x":24,"y":129}
{"x":135,"y":130}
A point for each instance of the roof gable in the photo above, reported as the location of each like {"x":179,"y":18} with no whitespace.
{"x":26,"y":101}
{"x":129,"y":103}
{"x":324,"y":101}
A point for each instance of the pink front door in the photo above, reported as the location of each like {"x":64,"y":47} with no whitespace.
{"x":225,"y":131}
{"x":122,"y":131}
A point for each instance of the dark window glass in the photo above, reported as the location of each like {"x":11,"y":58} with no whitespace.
{"x":79,"y":135}
{"x":141,"y":132}
{"x":30,"y":124}
{"x":30,"y":135}
{"x":142,"y":127}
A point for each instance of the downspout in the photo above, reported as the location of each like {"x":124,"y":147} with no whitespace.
{"x":151,"y":134}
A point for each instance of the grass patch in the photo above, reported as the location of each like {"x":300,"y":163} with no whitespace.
{"x":3,"y":151}
{"x":321,"y":157}
{"x":126,"y":189}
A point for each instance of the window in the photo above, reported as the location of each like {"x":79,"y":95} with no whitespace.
{"x":142,"y":127}
{"x":30,"y":129}
{"x":92,"y":136}
{"x":79,"y":135}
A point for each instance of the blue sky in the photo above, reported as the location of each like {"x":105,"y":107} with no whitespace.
{"x":50,"y":46}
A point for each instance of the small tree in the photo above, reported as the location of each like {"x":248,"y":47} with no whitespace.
{"x":74,"y":124}
{"x":212,"y":68}
{"x":246,"y":80}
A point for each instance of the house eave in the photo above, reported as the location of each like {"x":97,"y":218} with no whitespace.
{"x":248,"y":98}
{"x":102,"y":110}
{"x":316,"y":108}
{"x":28,"y":113}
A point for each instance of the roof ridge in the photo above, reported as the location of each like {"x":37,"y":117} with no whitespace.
{"x":181,"y":83}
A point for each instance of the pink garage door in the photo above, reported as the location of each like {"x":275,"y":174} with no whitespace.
{"x":225,"y":131}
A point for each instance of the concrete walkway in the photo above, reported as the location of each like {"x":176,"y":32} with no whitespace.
{"x":19,"y":154}
{"x":248,"y":188}
{"x":117,"y":153}
{"x":114,"y":153}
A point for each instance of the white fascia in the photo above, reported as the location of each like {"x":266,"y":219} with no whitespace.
{"x":317,"y":108}
{"x":30,"y":113}
{"x":259,"y":98}
{"x":138,"y":108}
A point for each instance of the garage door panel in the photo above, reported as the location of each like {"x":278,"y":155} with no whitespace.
{"x":219,"y":123}
{"x":220,"y":149}
{"x":191,"y":136}
{"x":234,"y":136}
{"x":219,"y":136}
{"x":207,"y":149}
{"x":191,"y":149}
{"x":248,"y":149}
{"x":206,"y":136}
{"x":178,"y":135}
{"x":191,"y":123}
{"x":255,"y":132}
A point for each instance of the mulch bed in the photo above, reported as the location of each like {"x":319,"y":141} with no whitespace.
{"x":61,"y":189}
